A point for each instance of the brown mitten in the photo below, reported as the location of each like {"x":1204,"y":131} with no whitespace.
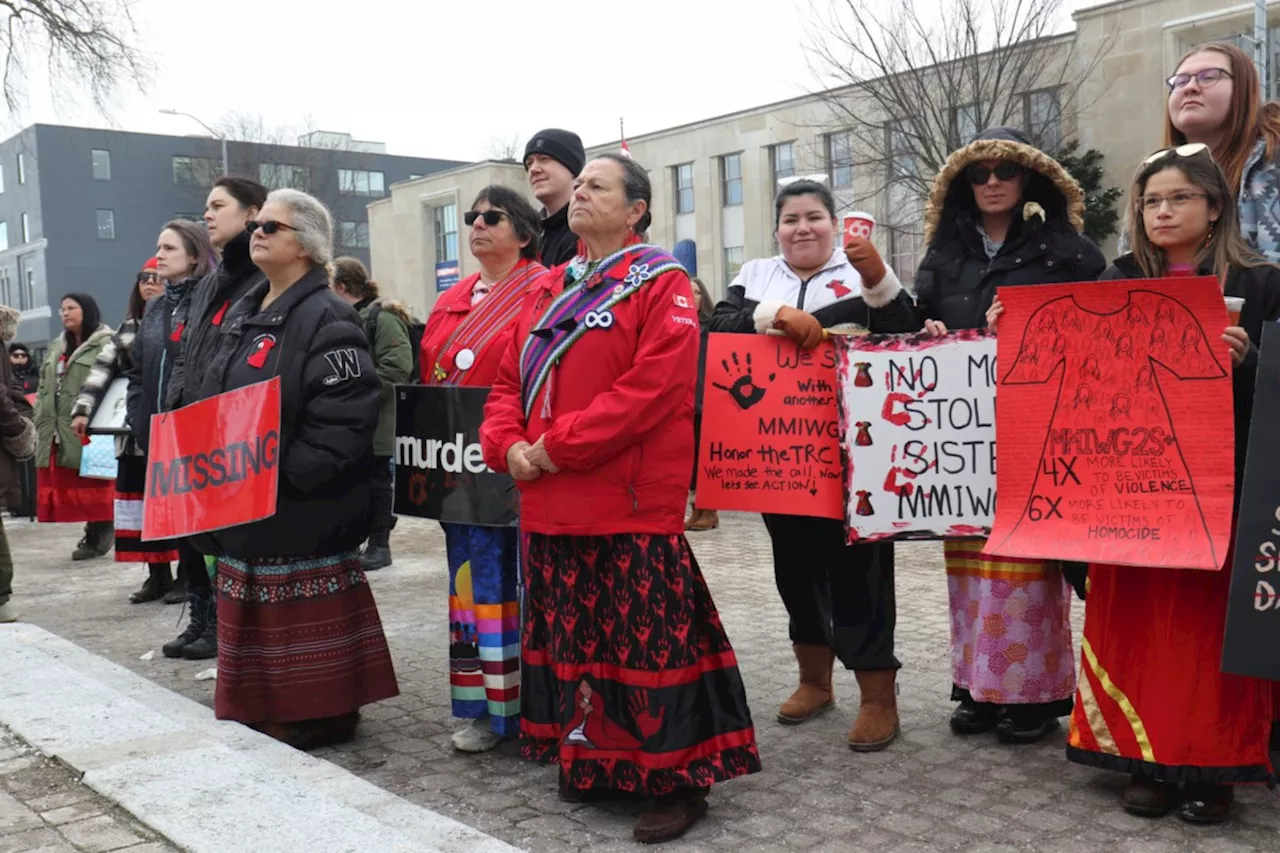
{"x":801,"y":326}
{"x":866,"y":260}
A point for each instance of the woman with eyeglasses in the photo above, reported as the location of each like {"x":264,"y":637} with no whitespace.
{"x":115,"y":360}
{"x":466,"y":338}
{"x":1002,"y":213}
{"x":62,"y":495}
{"x":1153,"y":700}
{"x":300,"y":643}
{"x":1215,"y":99}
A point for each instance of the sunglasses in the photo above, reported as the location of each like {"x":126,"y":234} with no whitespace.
{"x":979,"y":175}
{"x":147,"y":278}
{"x":1191,"y":149}
{"x":490,"y":217}
{"x":1205,"y":78}
{"x":268,"y":227}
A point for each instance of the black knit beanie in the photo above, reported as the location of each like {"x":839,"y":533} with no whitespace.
{"x":562,"y":145}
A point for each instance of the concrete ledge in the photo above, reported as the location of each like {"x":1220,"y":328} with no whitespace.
{"x":209,"y":786}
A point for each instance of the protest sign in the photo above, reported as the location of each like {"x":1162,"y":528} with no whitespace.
{"x":213,"y":464}
{"x":1253,"y":610}
{"x":1115,"y":424}
{"x":770,"y":428}
{"x":918,"y":427}
{"x":440,"y":469}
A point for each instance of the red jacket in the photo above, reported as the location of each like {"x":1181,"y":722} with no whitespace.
{"x":620,"y":406}
{"x":441,"y":342}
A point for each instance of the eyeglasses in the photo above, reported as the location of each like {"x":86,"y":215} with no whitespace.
{"x":18,"y":354}
{"x":1204,"y":79}
{"x":268,"y":227}
{"x":491,"y":217}
{"x":1152,"y":203}
{"x":147,"y":278}
{"x":1191,"y":149}
{"x":979,"y":175}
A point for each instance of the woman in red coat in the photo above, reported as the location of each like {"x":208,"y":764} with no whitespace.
{"x":629,"y":679}
{"x":466,"y":337}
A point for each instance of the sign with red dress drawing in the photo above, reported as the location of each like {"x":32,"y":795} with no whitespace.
{"x":1115,"y":424}
{"x":770,"y":428}
{"x":918,"y":428}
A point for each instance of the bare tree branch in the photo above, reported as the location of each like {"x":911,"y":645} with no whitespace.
{"x":81,"y":44}
{"x":505,"y":147}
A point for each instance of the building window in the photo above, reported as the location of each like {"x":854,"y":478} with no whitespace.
{"x":783,"y":158}
{"x":196,"y":171}
{"x":965,"y":124}
{"x":731,"y":179}
{"x":26,"y":229}
{"x":684,"y":187}
{"x":27,"y":289}
{"x":904,"y":252}
{"x":446,"y":233}
{"x":281,"y":176}
{"x":106,"y":224}
{"x":903,"y":162}
{"x":101,"y":164}
{"x":1,"y":177}
{"x":22,"y":169}
{"x":360,"y":182}
{"x":1043,"y":119}
{"x":4,"y":236}
{"x":732,"y":264}
{"x":6,"y":293}
{"x":840,"y":159}
{"x":353,"y":235}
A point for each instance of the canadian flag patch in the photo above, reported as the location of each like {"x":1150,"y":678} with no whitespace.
{"x":838,"y":287}
{"x":681,"y":301}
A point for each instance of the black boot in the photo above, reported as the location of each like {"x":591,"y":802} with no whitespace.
{"x":157,"y":584}
{"x":177,"y":593}
{"x":378,"y":553}
{"x":197,"y":602}
{"x":98,"y":538}
{"x":205,"y":646}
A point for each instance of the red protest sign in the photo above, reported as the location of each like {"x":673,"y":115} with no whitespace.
{"x":1114,"y":424}
{"x":770,"y":428}
{"x":213,"y":464}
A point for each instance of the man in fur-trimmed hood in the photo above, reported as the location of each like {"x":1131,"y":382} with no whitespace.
{"x":1021,"y":225}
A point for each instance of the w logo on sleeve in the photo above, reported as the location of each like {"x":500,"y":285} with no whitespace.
{"x":345,"y":365}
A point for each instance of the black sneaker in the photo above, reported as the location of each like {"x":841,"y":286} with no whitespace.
{"x":1025,"y":725}
{"x":974,"y":718}
{"x":375,"y":557}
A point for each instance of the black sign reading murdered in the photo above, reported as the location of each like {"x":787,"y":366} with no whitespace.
{"x":440,"y":469}
{"x":1252,"y":644}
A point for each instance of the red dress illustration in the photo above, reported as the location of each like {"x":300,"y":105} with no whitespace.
{"x":1112,"y":416}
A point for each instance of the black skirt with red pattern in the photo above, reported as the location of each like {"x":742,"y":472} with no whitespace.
{"x":629,"y":681}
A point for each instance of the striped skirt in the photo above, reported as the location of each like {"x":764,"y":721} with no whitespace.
{"x":131,"y":483}
{"x":484,"y":625}
{"x":1010,"y":628}
{"x":298,"y":639}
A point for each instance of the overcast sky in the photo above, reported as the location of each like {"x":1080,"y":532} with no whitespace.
{"x":443,"y":78}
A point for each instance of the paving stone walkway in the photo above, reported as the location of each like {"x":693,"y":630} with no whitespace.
{"x":930,"y":791}
{"x":45,"y":809}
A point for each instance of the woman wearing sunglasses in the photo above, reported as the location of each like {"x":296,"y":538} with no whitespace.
{"x":1214,"y":99}
{"x":1003,"y":213}
{"x":467,"y":335}
{"x":1153,"y":700}
{"x":114,"y":360}
{"x":300,"y":643}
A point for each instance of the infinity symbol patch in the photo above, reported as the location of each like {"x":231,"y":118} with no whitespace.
{"x":598,"y":319}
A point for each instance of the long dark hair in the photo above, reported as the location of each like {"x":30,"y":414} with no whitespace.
{"x":136,"y":303}
{"x":89,"y":324}
{"x":705,"y":306}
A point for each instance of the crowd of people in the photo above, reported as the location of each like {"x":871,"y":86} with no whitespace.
{"x":589,"y":631}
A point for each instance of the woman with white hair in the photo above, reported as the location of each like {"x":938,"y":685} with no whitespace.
{"x":300,"y":643}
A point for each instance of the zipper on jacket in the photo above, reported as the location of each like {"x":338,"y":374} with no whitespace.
{"x":804,"y":288}
{"x":635,"y":501}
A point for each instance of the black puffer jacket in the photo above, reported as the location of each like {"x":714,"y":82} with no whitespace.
{"x":328,"y":412}
{"x":957,"y":282}
{"x":210,"y":301}
{"x":558,"y":244}
{"x":151,"y":358}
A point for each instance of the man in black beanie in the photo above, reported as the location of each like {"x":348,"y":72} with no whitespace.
{"x":553,"y":158}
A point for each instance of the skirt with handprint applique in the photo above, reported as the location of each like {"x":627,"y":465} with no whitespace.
{"x":629,"y":681}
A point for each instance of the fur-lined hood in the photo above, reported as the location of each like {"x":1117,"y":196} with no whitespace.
{"x":9,"y":318}
{"x":1058,"y":195}
{"x":398,"y":308}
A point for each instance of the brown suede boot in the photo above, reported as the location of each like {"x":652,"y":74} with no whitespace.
{"x":877,"y":724}
{"x":702,"y":520}
{"x":813,"y":696}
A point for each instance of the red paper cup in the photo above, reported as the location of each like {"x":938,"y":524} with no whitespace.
{"x":858,"y":225}
{"x":1234,"y":305}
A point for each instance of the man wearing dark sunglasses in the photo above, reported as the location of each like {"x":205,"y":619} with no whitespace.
{"x":553,"y":158}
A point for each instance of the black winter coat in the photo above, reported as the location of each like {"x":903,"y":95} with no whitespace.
{"x":329,"y":411}
{"x":558,"y":244}
{"x":151,"y":358}
{"x":210,"y":301}
{"x":1260,"y":287}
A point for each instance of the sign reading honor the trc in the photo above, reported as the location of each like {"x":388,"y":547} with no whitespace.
{"x":440,"y":468}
